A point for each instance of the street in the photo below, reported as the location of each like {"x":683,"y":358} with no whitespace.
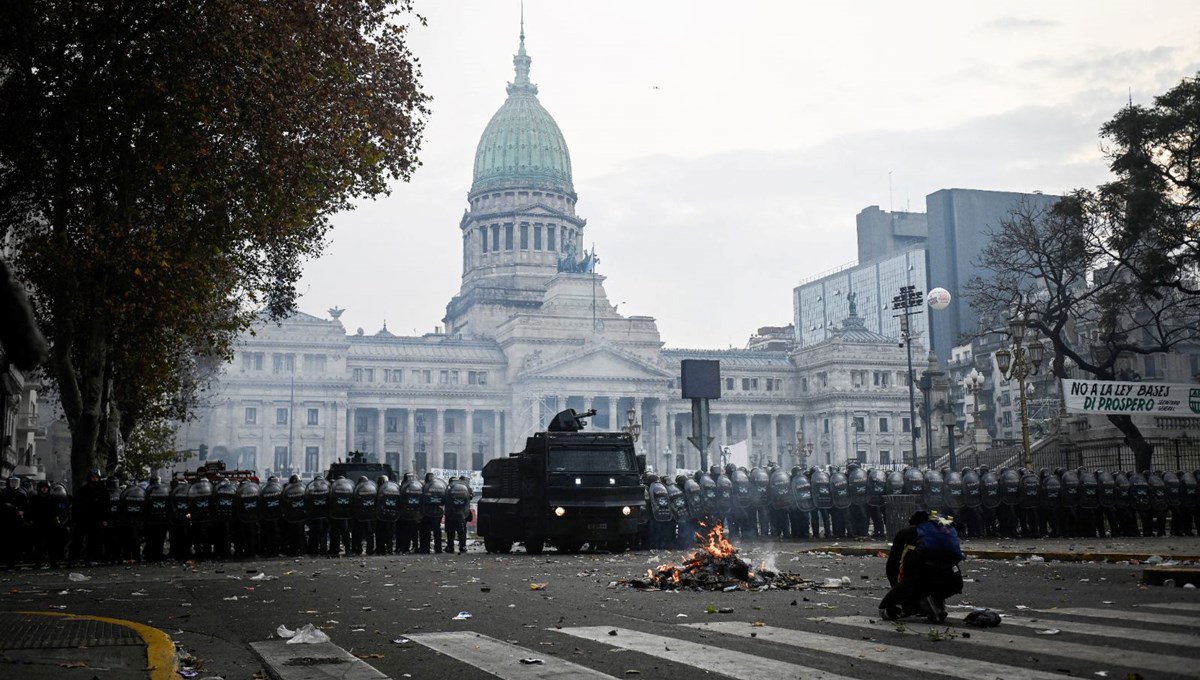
{"x":401,"y":615}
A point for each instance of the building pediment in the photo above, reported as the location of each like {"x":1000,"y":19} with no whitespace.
{"x":603,"y":362}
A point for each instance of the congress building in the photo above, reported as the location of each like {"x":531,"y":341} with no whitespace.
{"x":529,"y":333}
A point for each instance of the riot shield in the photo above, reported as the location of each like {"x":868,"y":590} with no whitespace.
{"x":935,"y":490}
{"x":410,"y":506}
{"x":1051,"y":493}
{"x":316,"y":498}
{"x":952,"y":490}
{"x":990,"y":491}
{"x":158,"y":502}
{"x":972,"y":489}
{"x":822,"y":490}
{"x":366,"y":498}
{"x":841,"y":489}
{"x":1158,"y":491}
{"x":660,"y":502}
{"x":133,"y":504}
{"x":1010,"y":487}
{"x":1069,"y":497}
{"x":1031,"y":490}
{"x":1106,"y":486}
{"x":1089,"y":490}
{"x":724,"y":494}
{"x":200,"y":498}
{"x":388,"y":503}
{"x":859,"y":483}
{"x":433,"y":498}
{"x":802,"y":497}
{"x":458,"y":499}
{"x":270,"y":504}
{"x":876,"y":486}
{"x":742,"y":494}
{"x":248,"y":506}
{"x":780,"y":495}
{"x":294,"y":510}
{"x":226,"y":495}
{"x":914,"y":482}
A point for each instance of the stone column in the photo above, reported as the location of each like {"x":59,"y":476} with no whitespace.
{"x":380,"y":434}
{"x":410,"y":442}
{"x":775,"y":454}
{"x":497,"y":442}
{"x":671,"y":444}
{"x":351,"y":423}
{"x":439,"y":436}
{"x":469,"y":441}
{"x":750,"y":451}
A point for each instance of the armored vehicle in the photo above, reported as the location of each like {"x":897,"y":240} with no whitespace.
{"x":566,"y":488}
{"x":355,"y":466}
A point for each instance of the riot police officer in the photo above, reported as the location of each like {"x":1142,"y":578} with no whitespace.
{"x":822,"y":493}
{"x":48,"y":514}
{"x":247,"y":512}
{"x":341,"y":510}
{"x":410,"y":515}
{"x":90,"y":516}
{"x":294,"y":514}
{"x":433,"y":498}
{"x":14,"y":510}
{"x":270,"y":514}
{"x":387,"y":512}
{"x":802,"y":503}
{"x":458,"y":506}
{"x":316,"y":508}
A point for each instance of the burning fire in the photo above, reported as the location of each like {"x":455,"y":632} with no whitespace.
{"x":716,"y":556}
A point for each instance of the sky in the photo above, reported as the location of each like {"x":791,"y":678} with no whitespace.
{"x":721,"y":151}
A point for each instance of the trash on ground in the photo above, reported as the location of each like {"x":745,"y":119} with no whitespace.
{"x":982,"y":618}
{"x":1049,"y":631}
{"x":77,"y":577}
{"x":283,"y":631}
{"x":309,"y":634}
{"x":401,"y":641}
{"x":1036,"y":558}
{"x":462,"y":616}
{"x":262,"y":577}
{"x":832,"y":583}
{"x":537,"y":586}
{"x":531,"y":661}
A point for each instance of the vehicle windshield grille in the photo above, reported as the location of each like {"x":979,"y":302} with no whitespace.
{"x":581,"y":460}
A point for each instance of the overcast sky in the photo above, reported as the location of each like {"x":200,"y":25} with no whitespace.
{"x":722,"y":150}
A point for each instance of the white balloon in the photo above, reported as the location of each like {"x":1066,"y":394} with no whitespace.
{"x":938,"y":298}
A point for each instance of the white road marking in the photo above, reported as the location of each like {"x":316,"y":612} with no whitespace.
{"x":1123,"y":615}
{"x":1181,"y":606}
{"x":703,"y":657}
{"x":277,"y":654}
{"x":901,"y":657}
{"x":1119,"y":632}
{"x":1034,"y":644}
{"x":502,"y":659}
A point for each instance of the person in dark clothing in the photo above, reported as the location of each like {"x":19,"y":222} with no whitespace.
{"x":49,"y":529}
{"x":14,"y":507}
{"x":90,"y":516}
{"x":922,"y":569}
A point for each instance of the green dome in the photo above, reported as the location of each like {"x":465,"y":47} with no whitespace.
{"x":522,"y":145}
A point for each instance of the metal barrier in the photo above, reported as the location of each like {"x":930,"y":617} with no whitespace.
{"x":897,"y":509}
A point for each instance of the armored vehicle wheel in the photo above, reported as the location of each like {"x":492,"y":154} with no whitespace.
{"x":618,"y":546}
{"x":535,"y":546}
{"x":570,"y":547}
{"x":495,"y":545}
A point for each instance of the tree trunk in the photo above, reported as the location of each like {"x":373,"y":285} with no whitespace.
{"x":1143,"y":451}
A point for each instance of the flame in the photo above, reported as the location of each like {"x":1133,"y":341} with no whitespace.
{"x":713,"y":545}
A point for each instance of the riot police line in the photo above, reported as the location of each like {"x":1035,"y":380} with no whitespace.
{"x":106,"y":521}
{"x":830,"y":503}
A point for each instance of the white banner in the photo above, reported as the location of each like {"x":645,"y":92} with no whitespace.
{"x":1131,"y":398}
{"x":475,"y":477}
{"x":738,"y":454}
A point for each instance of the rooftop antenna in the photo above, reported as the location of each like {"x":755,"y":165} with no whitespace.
{"x":890,"y":209}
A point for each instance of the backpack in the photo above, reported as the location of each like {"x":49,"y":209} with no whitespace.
{"x":937,"y":540}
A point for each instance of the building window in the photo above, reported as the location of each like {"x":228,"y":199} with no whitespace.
{"x":881,"y":379}
{"x":314,"y":364}
{"x":495,"y":237}
{"x":360,"y":423}
{"x":537,"y":237}
{"x":729,"y":384}
{"x":443,"y":377}
{"x":905,"y":425}
{"x":427,"y":376}
{"x":252,"y":361}
{"x":483,"y":240}
{"x":449,"y":425}
{"x":550,"y":238}
{"x":420,"y":424}
{"x":251,"y":415}
{"x":860,"y":424}
{"x":804,"y":384}
{"x":312,"y":459}
{"x":508,"y":237}
{"x":314,"y":416}
{"x":745,"y":384}
{"x":883,"y":424}
{"x":450,"y":460}
{"x":392,"y":423}
{"x":283,"y":363}
{"x":282,"y":464}
{"x":860,"y":456}
{"x":524,"y":237}
{"x":885,"y":457}
{"x":281,"y":416}
{"x":826,"y":426}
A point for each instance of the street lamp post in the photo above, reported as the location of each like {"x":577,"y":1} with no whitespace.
{"x":909,"y":301}
{"x":808,"y":452}
{"x":949,"y":419}
{"x":632,"y":427}
{"x":667,"y":461}
{"x":974,"y":385}
{"x":1021,"y":361}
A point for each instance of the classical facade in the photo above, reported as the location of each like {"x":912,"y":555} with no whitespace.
{"x":531,"y":332}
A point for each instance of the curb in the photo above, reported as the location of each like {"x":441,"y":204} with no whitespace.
{"x":1020,"y":554}
{"x":160,"y":648}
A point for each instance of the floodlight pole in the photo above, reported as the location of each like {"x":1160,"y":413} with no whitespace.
{"x":908,"y":299}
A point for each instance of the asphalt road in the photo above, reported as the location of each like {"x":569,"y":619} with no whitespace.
{"x":397,"y":614}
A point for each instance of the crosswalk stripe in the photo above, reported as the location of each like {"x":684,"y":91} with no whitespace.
{"x":1123,"y":658}
{"x":1180,"y":639}
{"x":282,"y":659}
{"x":1181,"y":606}
{"x":903,"y":657}
{"x":1123,"y":615}
{"x":502,"y":659}
{"x":704,"y":657}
